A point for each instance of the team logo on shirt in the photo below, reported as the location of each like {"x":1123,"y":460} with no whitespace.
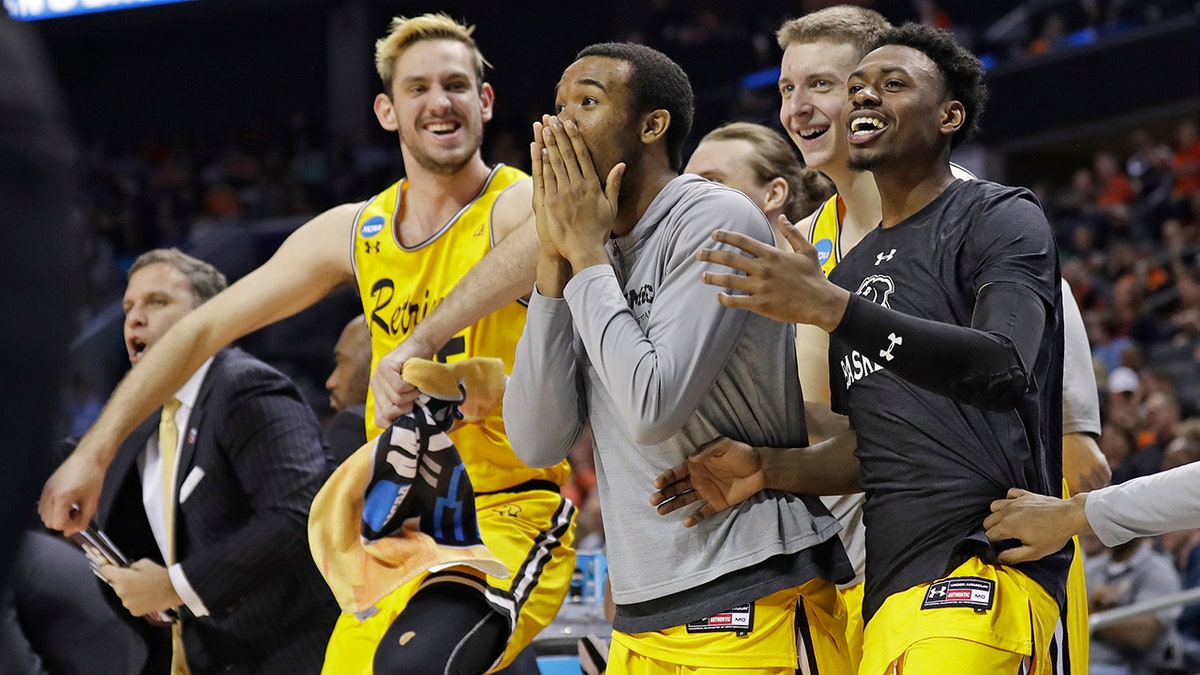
{"x":640,"y":300}
{"x":877,"y":288}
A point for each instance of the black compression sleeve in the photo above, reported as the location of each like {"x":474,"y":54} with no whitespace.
{"x":987,"y":365}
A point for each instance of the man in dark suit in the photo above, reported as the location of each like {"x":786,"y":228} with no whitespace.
{"x":215,"y":518}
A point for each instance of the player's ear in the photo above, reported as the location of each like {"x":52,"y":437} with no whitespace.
{"x":655,"y":125}
{"x":954,"y":117}
{"x":777,"y":193}
{"x":487,"y":99}
{"x":385,"y":112}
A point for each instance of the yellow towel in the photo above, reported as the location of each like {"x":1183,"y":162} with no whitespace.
{"x":359,"y":572}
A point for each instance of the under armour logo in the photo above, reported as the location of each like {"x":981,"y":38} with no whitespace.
{"x":938,"y":591}
{"x":371,"y":246}
{"x":894,"y":340}
{"x":880,"y":257}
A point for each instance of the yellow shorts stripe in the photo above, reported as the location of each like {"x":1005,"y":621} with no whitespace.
{"x":531,"y":532}
{"x":533,"y":593}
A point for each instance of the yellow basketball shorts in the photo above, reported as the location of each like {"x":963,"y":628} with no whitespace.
{"x":532,"y":532}
{"x":774,"y":639}
{"x":980,"y":619}
{"x":852,"y":598}
{"x":1075,"y":616}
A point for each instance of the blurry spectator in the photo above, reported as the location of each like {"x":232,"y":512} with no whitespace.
{"x":1186,"y":163}
{"x":1048,"y":38}
{"x":929,"y":13}
{"x":1185,"y":447}
{"x":1185,"y":321}
{"x":1124,"y":575}
{"x":1115,"y":187}
{"x":1128,"y":302}
{"x":1117,"y":443}
{"x":1123,"y":387}
{"x":1184,"y":548}
{"x":1161,"y":427}
{"x":1088,"y":290}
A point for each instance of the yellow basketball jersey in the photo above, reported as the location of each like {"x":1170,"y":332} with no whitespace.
{"x":400,"y":286}
{"x":826,"y":233}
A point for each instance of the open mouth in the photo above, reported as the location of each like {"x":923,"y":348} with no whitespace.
{"x":866,"y":125}
{"x":813,"y":132}
{"x":137,"y":347}
{"x":442,"y":128}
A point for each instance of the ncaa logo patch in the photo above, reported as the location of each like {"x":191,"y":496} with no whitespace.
{"x":824,"y":250}
{"x":372,"y":227}
{"x":974,"y":592}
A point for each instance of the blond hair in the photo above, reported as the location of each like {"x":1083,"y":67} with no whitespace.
{"x":773,"y":157}
{"x":840,"y":24}
{"x":405,"y":32}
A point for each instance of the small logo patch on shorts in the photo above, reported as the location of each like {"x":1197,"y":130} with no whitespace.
{"x":973,"y":592}
{"x":740,"y":619}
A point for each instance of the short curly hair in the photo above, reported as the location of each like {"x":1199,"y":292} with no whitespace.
{"x":656,"y":83}
{"x":960,"y":70}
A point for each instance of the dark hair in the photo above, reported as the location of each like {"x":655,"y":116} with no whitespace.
{"x":961,"y":71}
{"x":205,"y":279}
{"x":656,"y":83}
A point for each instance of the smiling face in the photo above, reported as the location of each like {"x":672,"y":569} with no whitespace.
{"x":897,"y":110}
{"x":728,"y":162}
{"x":594,"y":94}
{"x":156,"y":297}
{"x":812,"y":84}
{"x":437,"y":105}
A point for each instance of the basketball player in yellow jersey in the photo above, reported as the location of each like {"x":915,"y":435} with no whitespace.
{"x":435,"y":98}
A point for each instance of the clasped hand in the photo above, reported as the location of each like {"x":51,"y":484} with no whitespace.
{"x":575,"y":213}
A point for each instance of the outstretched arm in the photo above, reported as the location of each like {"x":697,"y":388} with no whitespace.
{"x":310,"y":263}
{"x":987,"y":364}
{"x":725,"y":472}
{"x":1040,"y":524}
{"x":1142,"y":507}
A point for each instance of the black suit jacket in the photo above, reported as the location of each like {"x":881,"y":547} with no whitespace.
{"x":251,"y":462}
{"x":346,"y":432}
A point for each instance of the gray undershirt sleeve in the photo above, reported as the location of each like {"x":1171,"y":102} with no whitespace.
{"x":1081,"y":399}
{"x":658,"y":375}
{"x":543,"y":410}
